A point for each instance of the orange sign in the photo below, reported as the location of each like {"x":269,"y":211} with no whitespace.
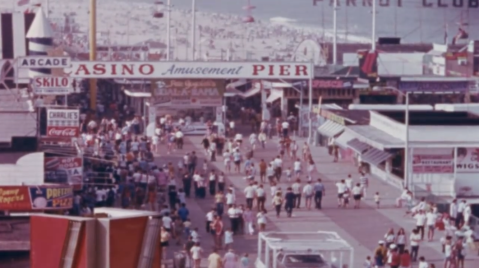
{"x":15,"y":198}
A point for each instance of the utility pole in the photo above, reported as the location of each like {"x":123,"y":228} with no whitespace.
{"x":93,"y":89}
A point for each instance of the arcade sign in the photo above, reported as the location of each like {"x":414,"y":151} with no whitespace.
{"x":43,"y":62}
{"x":52,"y":85}
{"x":399,"y":3}
{"x":190,"y":70}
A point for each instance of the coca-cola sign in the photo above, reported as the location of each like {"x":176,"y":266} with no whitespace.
{"x":64,"y":132}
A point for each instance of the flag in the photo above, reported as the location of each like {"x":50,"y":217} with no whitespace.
{"x":23,"y":2}
{"x":460,"y":35}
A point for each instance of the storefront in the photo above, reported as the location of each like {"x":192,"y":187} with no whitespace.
{"x":380,"y":92}
{"x":433,"y":90}
{"x":441,"y":162}
{"x":330,"y":89}
{"x":334,"y":126}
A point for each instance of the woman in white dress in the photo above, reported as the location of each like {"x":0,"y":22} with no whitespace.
{"x":230,"y":259}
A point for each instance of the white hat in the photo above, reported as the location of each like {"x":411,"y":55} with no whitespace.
{"x":392,"y":246}
{"x":380,"y":242}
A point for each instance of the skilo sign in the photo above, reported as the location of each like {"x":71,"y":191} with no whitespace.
{"x":52,"y":85}
{"x":191,"y":70}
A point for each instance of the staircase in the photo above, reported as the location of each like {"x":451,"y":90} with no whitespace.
{"x":150,"y":241}
{"x":60,"y":149}
{"x":70,"y":244}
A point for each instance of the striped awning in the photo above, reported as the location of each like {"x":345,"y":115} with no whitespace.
{"x":343,"y":139}
{"x":358,"y":146}
{"x":330,"y":129}
{"x":375,"y":157}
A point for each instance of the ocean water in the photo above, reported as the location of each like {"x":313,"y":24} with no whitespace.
{"x":414,"y":21}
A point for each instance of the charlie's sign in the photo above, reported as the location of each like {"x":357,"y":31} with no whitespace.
{"x":188,"y":92}
{"x":190,"y":70}
{"x":44,"y":62}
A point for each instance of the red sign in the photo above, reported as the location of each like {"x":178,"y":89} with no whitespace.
{"x":64,"y":170}
{"x":63,"y":132}
{"x":331,"y":84}
{"x":433,"y":164}
{"x":15,"y":198}
{"x":52,"y":82}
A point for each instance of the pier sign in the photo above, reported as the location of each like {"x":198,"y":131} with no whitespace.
{"x":44,"y":62}
{"x":191,"y":70}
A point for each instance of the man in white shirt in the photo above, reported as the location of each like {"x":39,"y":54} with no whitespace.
{"x":278,"y":163}
{"x":270,"y":172}
{"x":341,"y":189}
{"x":260,"y":197}
{"x":179,"y":139}
{"x":420,"y":222}
{"x":431,"y":223}
{"x":460,"y":213}
{"x":308,"y":192}
{"x":297,"y":167}
{"x":296,"y":189}
{"x":167,"y":221}
{"x":249,"y":193}
{"x":285,"y":128}
{"x":415,"y":239}
{"x":230,"y":197}
{"x":234,"y":218}
{"x":210,"y":216}
{"x":453,"y":211}
{"x":423,"y":263}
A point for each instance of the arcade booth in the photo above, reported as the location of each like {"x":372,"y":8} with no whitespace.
{"x":311,"y":249}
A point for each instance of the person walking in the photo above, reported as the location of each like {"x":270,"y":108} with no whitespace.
{"x":249,"y":193}
{"x":401,"y":240}
{"x":234,"y":218}
{"x":296,"y":189}
{"x":212,"y":183}
{"x":277,"y":202}
{"x":290,"y":199}
{"x":357,"y":194}
{"x":260,"y":197}
{"x":196,"y":252}
{"x":214,"y":260}
{"x":319,"y":193}
{"x":230,"y":260}
{"x":415,"y":240}
{"x":308,"y":193}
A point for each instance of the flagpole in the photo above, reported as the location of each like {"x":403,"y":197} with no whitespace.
{"x":47,"y":8}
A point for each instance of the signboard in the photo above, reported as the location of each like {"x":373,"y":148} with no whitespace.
{"x":44,"y":62}
{"x":423,"y":163}
{"x":467,"y":160}
{"x":27,"y":198}
{"x":52,"y":85}
{"x":64,"y":170}
{"x":190,"y":70}
{"x":188,"y":92}
{"x":63,"y":123}
{"x":399,"y":3}
{"x":332,"y":84}
{"x":433,"y":86}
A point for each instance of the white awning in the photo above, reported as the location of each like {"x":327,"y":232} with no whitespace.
{"x":238,"y":83}
{"x":251,"y":92}
{"x":274,"y":95}
{"x":343,"y":139}
{"x":136,"y":94}
{"x":330,"y":129}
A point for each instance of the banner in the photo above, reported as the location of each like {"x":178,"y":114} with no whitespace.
{"x":424,"y":163}
{"x":64,"y":170}
{"x":467,"y":160}
{"x":188,"y":92}
{"x":52,"y":197}
{"x":433,"y":86}
{"x":28,"y":198}
{"x":52,"y":85}
{"x":63,"y":123}
{"x":190,"y":70}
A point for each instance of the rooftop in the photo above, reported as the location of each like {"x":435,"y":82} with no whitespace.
{"x":434,"y":118}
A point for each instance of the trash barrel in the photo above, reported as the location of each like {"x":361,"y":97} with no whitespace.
{"x":179,"y":260}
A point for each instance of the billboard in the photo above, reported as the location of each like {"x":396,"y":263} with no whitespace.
{"x":188,"y":92}
{"x":190,"y":70}
{"x":467,"y":160}
{"x":52,"y":85}
{"x":64,"y":170}
{"x":433,"y":163}
{"x":28,"y":198}
{"x":63,"y":123}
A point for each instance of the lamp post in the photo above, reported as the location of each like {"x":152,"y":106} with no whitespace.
{"x":335,"y":32}
{"x":373,"y":30}
{"x":193,"y":28}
